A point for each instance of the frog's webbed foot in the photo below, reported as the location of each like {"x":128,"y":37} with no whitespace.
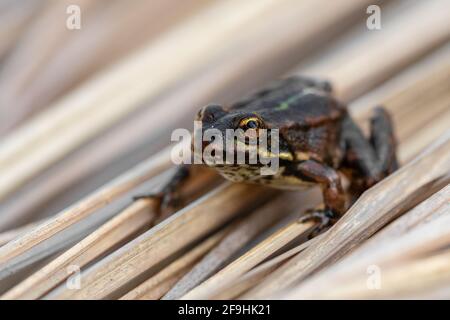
{"x":324,"y":217}
{"x":169,"y":197}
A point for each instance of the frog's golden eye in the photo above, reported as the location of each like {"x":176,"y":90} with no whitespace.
{"x":250,"y":123}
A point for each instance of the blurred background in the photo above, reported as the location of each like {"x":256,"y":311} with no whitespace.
{"x":111,"y":78}
{"x":146,"y":67}
{"x":91,"y":88}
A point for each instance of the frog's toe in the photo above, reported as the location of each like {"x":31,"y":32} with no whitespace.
{"x":151,"y":196}
{"x":164,"y":200}
{"x":323,"y":217}
{"x":170,"y":200}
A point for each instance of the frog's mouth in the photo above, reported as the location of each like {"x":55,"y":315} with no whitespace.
{"x":232,"y":154}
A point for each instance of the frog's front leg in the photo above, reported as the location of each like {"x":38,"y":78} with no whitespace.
{"x":168,"y":196}
{"x":333,"y":193}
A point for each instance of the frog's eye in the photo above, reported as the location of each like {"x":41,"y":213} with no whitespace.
{"x":250,"y":123}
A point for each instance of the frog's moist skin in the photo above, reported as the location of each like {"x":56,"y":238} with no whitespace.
{"x":317,"y":140}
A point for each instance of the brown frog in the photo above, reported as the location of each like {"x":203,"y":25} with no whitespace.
{"x":318,"y":140}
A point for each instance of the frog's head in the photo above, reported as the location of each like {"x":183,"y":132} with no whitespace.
{"x":248,"y":130}
{"x":216,"y":117}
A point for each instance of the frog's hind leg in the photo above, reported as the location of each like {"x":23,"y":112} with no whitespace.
{"x":168,"y":196}
{"x":383,"y":140}
{"x":370,"y":160}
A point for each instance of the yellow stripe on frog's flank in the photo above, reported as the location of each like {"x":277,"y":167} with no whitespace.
{"x":282,"y":155}
{"x":286,"y":156}
{"x":302,"y":156}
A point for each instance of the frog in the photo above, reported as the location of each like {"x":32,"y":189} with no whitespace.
{"x":319,"y":145}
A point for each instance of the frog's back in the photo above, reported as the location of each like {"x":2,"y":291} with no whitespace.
{"x":298,"y":100}
{"x":305,"y":112}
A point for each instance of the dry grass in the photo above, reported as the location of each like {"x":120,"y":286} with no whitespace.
{"x":81,"y":141}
